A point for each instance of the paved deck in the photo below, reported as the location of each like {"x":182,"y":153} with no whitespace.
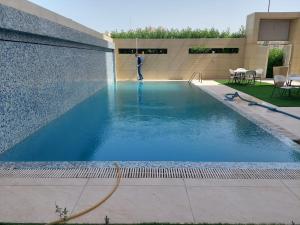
{"x":153,"y":200}
{"x":280,"y":124}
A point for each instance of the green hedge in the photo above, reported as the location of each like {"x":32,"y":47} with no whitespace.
{"x":161,"y":33}
{"x":202,"y":50}
{"x":275,"y":59}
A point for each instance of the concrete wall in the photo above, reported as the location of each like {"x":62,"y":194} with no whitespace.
{"x":36,"y":10}
{"x":256,"y":56}
{"x":295,"y":41}
{"x":256,"y":52}
{"x":46,"y":68}
{"x":178,"y":64}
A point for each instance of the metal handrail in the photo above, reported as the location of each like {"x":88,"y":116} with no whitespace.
{"x":194,"y":74}
{"x":200,"y":77}
{"x":192,"y":77}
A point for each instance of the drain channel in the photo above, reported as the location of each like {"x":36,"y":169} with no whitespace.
{"x":192,"y":173}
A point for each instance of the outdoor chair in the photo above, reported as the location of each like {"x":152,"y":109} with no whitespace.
{"x":233,"y":76}
{"x":250,"y":76}
{"x":281,"y":85}
{"x":258,"y":75}
{"x":294,"y":78}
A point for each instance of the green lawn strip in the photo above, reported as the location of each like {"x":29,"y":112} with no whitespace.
{"x":263,"y":91}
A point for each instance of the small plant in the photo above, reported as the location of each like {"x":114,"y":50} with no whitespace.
{"x":106,"y":220}
{"x":62,"y":212}
{"x":199,"y":50}
{"x":275,"y":59}
{"x":203,"y":50}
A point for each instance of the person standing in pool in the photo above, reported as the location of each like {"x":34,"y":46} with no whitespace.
{"x":140,"y":61}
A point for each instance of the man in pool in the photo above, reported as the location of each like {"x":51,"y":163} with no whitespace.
{"x":140,"y":61}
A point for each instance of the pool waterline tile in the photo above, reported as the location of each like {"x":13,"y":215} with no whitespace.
{"x":147,"y":164}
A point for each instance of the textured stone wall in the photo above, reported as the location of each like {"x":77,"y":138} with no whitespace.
{"x":43,"y":75}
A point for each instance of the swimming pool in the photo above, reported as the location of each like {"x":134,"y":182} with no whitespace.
{"x":152,"y":121}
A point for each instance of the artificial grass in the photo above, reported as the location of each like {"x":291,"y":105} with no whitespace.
{"x":263,"y":91}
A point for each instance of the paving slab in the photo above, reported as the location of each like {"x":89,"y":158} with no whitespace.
{"x":35,"y":203}
{"x":42,"y":181}
{"x":244,"y":205}
{"x":138,"y":182}
{"x":233,"y":182}
{"x":291,"y":183}
{"x":295,"y":191}
{"x":137,"y":204}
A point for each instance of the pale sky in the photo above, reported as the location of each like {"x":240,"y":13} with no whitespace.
{"x":108,"y":15}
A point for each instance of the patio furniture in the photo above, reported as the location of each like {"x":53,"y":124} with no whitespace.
{"x":280,"y":83}
{"x":240,"y":70}
{"x":240,"y":73}
{"x":258,"y":75}
{"x":294,"y":77}
{"x":250,"y":76}
{"x":233,"y":76}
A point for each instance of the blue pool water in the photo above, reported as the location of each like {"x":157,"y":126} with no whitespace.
{"x":152,"y":121}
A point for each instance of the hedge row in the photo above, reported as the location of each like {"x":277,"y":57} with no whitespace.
{"x":162,"y":33}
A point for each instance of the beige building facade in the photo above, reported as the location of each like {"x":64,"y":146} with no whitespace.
{"x":267,"y":30}
{"x":263,"y":32}
{"x":178,"y":64}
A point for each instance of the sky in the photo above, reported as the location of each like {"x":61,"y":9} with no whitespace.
{"x":111,"y":15}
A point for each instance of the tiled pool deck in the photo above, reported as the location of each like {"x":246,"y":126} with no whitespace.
{"x":178,"y":200}
{"x":153,"y":200}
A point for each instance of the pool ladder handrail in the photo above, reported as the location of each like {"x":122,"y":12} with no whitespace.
{"x":194,"y":74}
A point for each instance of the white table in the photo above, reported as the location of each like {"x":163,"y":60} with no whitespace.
{"x":240,"y":70}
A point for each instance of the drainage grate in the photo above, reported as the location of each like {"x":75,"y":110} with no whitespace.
{"x":193,"y":173}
